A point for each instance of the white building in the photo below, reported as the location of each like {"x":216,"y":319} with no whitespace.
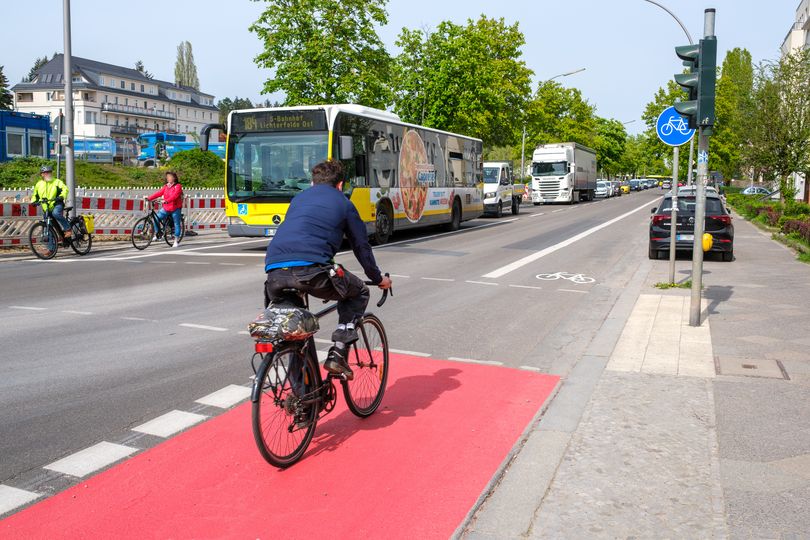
{"x":114,"y":101}
{"x":798,"y":37}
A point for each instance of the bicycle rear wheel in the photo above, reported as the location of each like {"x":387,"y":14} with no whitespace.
{"x":368,"y":359}
{"x":142,"y":233}
{"x":282,"y":425}
{"x":168,"y":228}
{"x":82,"y":240}
{"x":44,"y":240}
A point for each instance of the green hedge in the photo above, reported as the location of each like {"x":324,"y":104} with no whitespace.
{"x":791,"y":218}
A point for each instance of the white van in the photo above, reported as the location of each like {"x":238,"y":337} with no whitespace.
{"x":499,"y":188}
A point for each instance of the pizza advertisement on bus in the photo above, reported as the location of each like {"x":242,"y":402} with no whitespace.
{"x":416,"y":175}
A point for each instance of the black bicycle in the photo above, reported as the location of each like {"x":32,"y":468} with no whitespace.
{"x":150,"y":228}
{"x":289,"y":395}
{"x":46,"y":236}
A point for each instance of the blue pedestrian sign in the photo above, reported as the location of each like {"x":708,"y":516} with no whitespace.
{"x":672,"y":128}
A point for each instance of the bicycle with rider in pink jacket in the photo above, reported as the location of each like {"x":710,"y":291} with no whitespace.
{"x":172,"y":194}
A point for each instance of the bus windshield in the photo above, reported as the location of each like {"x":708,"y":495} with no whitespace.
{"x":491,"y":175}
{"x":557,"y":168}
{"x":272,"y":167}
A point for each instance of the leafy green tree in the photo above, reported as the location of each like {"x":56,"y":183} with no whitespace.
{"x":468,"y":79}
{"x":779,"y":126}
{"x":325,"y":51}
{"x":32,"y":73}
{"x":227,"y":105}
{"x":139,"y":67}
{"x":609,"y":144}
{"x":185,"y":70}
{"x":634,"y":159}
{"x":6,"y":99}
{"x":733,"y":108}
{"x":559,"y":114}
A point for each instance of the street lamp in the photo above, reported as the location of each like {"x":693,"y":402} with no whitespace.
{"x":628,"y":122}
{"x":523,"y":140}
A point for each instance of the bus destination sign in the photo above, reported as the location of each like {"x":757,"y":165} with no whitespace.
{"x":279,"y":121}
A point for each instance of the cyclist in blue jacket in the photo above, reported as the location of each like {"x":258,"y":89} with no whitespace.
{"x":301,"y":256}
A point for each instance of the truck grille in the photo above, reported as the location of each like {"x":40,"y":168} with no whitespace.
{"x":549,"y":189}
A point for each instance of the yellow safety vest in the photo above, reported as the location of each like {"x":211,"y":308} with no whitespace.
{"x":49,"y":190}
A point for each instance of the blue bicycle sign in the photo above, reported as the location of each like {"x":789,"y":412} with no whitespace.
{"x":672,"y":128}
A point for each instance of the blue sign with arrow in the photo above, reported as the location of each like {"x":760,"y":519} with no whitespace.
{"x":672,"y":128}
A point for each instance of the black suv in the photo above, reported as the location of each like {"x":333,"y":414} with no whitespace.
{"x":718,"y":224}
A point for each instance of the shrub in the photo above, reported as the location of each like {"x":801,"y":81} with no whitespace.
{"x":198,"y":168}
{"x":798,"y":227}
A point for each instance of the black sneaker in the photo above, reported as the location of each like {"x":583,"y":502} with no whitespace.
{"x":336,"y":363}
{"x":347,"y":336}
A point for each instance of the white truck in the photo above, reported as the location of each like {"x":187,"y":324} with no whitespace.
{"x":500,"y":191}
{"x":564,"y":173}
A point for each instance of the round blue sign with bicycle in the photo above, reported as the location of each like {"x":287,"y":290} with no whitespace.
{"x":672,"y":128}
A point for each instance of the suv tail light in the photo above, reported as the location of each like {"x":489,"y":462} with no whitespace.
{"x":723,"y":218}
{"x":659,"y":219}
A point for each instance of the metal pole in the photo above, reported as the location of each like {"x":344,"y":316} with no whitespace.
{"x":58,"y":144}
{"x":700,"y":200}
{"x":683,"y":26}
{"x":691,"y":160}
{"x":673,"y":228}
{"x":68,"y":74}
{"x":523,"y":155}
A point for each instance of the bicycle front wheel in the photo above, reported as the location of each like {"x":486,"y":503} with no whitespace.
{"x":283,"y":424}
{"x":82,"y":240}
{"x":368,"y":358}
{"x":142,"y":233}
{"x":44,"y":240}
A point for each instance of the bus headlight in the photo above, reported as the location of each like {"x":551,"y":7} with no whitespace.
{"x":236,"y":221}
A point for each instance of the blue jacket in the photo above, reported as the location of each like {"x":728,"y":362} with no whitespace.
{"x":313,"y":230}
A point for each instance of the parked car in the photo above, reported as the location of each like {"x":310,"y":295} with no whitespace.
{"x":617,"y":188}
{"x":666,"y":184}
{"x":756,"y":190}
{"x":635,"y":185}
{"x":602,"y":190}
{"x":718,"y":223}
{"x":625,"y":187}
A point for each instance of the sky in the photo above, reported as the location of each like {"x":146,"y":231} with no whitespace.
{"x":625,"y":46}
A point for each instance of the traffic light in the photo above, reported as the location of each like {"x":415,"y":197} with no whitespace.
{"x":701,"y":59}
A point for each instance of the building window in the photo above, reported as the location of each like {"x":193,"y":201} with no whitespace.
{"x":77,"y":78}
{"x":36,"y":144}
{"x":195,"y":113}
{"x":132,"y":86}
{"x":89,"y":117}
{"x":142,"y":91}
{"x":144,"y":105}
{"x":25,"y":97}
{"x":116,"y":100}
{"x":112,"y":83}
{"x":124,"y":85}
{"x":105,"y":98}
{"x":14,"y":143}
{"x":101,"y":80}
{"x":126,"y":101}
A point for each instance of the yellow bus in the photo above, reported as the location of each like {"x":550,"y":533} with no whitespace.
{"x":399,"y":176}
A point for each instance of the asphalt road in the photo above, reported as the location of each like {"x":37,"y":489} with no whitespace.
{"x":97,"y":345}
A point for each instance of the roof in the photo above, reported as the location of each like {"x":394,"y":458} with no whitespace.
{"x":50,"y":77}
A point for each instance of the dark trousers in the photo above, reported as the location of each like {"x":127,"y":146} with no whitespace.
{"x":350,"y":292}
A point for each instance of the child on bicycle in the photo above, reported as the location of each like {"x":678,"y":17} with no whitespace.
{"x":50,"y":190}
{"x":172,"y":193}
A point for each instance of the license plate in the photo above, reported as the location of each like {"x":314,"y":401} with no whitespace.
{"x":269,"y":232}
{"x":685,"y":237}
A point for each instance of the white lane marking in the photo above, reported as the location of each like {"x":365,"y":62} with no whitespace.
{"x":530,"y":368}
{"x":526,"y":287}
{"x":557,"y":210}
{"x":321,"y":340}
{"x":231,"y":264}
{"x":72,"y":312}
{"x":141,"y":319}
{"x":196,"y":262}
{"x":227,"y":397}
{"x":169,"y":423}
{"x":480,"y":282}
{"x":573,"y":290}
{"x":437,"y":279}
{"x":162,"y":262}
{"x":181,"y":251}
{"x":11,"y":498}
{"x":203,"y":327}
{"x":502,"y":271}
{"x":91,"y":459}
{"x":400,"y":276}
{"x":473,"y":361}
{"x":243,"y":333}
{"x":540,"y":214}
{"x":409,"y":353}
{"x":29,"y":308}
{"x":219,"y":254}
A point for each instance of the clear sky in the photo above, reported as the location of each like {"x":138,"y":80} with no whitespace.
{"x":626,"y":46}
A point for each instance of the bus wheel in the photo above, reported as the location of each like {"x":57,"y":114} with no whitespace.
{"x":455,"y":217}
{"x":384,"y":225}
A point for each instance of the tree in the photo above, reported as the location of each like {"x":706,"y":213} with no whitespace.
{"x":139,"y":67}
{"x":779,"y":126}
{"x":6,"y":99}
{"x":733,"y":107}
{"x":185,"y":70}
{"x":609,"y":144}
{"x":559,"y":114}
{"x":227,"y":105}
{"x":634,"y":158}
{"x":32,"y":73}
{"x":325,"y":51}
{"x":468,"y":79}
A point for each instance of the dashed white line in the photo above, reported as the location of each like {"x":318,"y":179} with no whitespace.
{"x":527,"y":287}
{"x":203,"y":327}
{"x":169,"y":423}
{"x":196,"y":262}
{"x":409,"y":353}
{"x":437,"y":279}
{"x":473,"y":361}
{"x":537,"y":214}
{"x":232,"y":264}
{"x":162,"y":262}
{"x":400,"y":276}
{"x":11,"y":498}
{"x":573,"y":290}
{"x":91,"y":459}
{"x":226,"y":397}
{"x":140,"y":319}
{"x":480,"y":282}
{"x":530,"y":368}
{"x":557,"y":210}
{"x":243,"y":333}
{"x":29,"y":308}
{"x":73,"y":312}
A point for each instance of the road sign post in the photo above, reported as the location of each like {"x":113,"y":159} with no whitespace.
{"x":673,"y":130}
{"x":68,"y":76}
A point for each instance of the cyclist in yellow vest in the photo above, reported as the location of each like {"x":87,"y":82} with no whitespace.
{"x":51,"y":192}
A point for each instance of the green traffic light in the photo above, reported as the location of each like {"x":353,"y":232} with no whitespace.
{"x":690,"y":54}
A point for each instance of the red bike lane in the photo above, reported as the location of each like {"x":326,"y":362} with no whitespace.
{"x":411,"y":470}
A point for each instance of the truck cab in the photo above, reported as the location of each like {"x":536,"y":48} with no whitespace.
{"x":499,"y":188}
{"x":563,"y":173}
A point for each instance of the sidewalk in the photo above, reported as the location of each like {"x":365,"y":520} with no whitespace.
{"x":677,"y":431}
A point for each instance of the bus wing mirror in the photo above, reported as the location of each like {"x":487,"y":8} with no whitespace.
{"x":346,"y":147}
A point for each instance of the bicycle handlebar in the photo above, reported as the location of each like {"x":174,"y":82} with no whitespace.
{"x":386,"y":292}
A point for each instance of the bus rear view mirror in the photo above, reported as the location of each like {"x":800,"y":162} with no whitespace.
{"x":346,"y":147}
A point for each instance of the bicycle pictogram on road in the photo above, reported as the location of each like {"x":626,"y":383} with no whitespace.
{"x":579,"y":279}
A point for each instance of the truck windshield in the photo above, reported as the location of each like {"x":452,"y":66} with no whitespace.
{"x":491,"y":175}
{"x":272,"y":167}
{"x":556,"y":168}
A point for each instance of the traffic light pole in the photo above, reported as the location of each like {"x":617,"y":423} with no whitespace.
{"x":700,"y":200}
{"x":68,"y":76}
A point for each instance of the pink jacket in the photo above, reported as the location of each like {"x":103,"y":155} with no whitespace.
{"x":172,"y":196}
